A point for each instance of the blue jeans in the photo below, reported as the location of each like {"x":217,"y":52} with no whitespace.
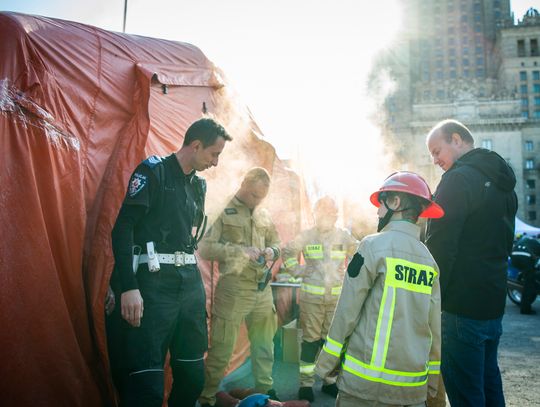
{"x":469,"y":361}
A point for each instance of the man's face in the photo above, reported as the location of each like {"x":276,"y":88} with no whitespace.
{"x":325,"y":219}
{"x":443,"y":153}
{"x":205,"y":158}
{"x":253,"y":193}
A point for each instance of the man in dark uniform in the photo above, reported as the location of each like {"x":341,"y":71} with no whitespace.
{"x":525,"y":254}
{"x":163,"y":302}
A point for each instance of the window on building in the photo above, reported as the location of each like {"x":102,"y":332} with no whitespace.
{"x":534,"y":48}
{"x":440,"y":94}
{"x":450,"y":30}
{"x":439,"y":63}
{"x":529,"y":164}
{"x":521,"y":48}
{"x":532,"y":215}
{"x":524,"y":102}
{"x":529,"y":145}
{"x":465,"y":73}
{"x":497,"y":14}
{"x":531,"y":183}
{"x":453,"y":74}
{"x":439,"y":75}
{"x":480,"y":74}
{"x":479,"y":50}
{"x":427,"y":95}
{"x":478,"y":28}
{"x":465,"y":50}
{"x":523,"y":76}
{"x":451,"y":41}
{"x":523,"y":88}
{"x":536,"y":88}
{"x":487,"y":143}
{"x":536,"y":75}
{"x":537,"y":100}
{"x":465,"y":61}
{"x":480,"y":61}
{"x":477,"y":18}
{"x":537,"y":114}
{"x":531,"y":199}
{"x":452,"y":63}
{"x":525,"y":114}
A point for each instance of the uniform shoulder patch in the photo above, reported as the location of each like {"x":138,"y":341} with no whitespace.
{"x":231,"y":211}
{"x":353,"y":269}
{"x":137,"y":183}
{"x":152,"y":161}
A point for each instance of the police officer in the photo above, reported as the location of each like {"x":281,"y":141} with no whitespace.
{"x":325,"y":249}
{"x":163,"y":303}
{"x":242,"y":240}
{"x":524,"y":256}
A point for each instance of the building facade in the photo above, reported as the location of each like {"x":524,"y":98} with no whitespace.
{"x":467,"y":60}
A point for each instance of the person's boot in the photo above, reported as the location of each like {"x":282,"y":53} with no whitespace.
{"x":527,"y":311}
{"x":330,"y":389}
{"x":273,"y":395}
{"x":306,"y":393}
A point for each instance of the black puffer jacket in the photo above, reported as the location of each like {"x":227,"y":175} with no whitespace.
{"x":472,"y":242}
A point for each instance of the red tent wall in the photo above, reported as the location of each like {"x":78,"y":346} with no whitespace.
{"x":80,"y":107}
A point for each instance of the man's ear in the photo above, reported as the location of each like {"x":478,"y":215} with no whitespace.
{"x":196,"y":145}
{"x":457,"y":140}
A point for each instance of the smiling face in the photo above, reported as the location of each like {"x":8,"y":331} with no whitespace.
{"x":444,"y":153}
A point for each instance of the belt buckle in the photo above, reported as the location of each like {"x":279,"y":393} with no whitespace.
{"x":179,"y":259}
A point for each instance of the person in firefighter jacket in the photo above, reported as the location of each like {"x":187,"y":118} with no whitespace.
{"x":386,"y":329}
{"x":325,"y":249}
{"x":242,"y":240}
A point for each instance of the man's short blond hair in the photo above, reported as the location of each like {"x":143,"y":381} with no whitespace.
{"x":257,"y":174}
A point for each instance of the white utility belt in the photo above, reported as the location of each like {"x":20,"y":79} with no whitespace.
{"x":177,"y":258}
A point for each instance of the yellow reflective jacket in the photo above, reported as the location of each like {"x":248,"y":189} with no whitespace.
{"x":325,"y":256}
{"x":386,"y":328}
{"x":238,"y":227}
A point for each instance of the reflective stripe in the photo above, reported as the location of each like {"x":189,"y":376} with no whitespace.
{"x":409,"y":276}
{"x":291,"y":262}
{"x":381,"y":375}
{"x":313,"y":251}
{"x":435,"y":367}
{"x":336,"y":290}
{"x":332,"y":347}
{"x":312,"y":289}
{"x":307,"y":369}
{"x":338,"y":254}
{"x":517,"y":253}
{"x":384,"y":326}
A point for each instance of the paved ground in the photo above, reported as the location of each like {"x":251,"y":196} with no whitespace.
{"x":519,"y":361}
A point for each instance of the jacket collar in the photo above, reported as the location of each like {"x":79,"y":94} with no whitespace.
{"x":404,"y":227}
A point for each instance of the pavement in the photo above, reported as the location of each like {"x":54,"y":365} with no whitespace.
{"x":519,"y":360}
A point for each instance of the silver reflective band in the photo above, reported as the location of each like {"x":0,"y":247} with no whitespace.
{"x":176,"y":258}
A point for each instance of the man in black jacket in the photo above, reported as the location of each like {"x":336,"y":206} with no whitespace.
{"x":471,"y":245}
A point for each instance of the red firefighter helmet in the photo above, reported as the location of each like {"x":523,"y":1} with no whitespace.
{"x":410,"y":183}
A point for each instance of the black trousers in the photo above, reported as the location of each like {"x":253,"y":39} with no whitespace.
{"x":174,"y":320}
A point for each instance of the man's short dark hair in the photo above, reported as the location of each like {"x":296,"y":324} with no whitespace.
{"x":449,"y":127}
{"x":207,"y":130}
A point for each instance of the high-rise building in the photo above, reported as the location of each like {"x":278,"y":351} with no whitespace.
{"x":467,"y":60}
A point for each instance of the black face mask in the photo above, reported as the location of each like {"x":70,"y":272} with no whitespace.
{"x":386,"y":218}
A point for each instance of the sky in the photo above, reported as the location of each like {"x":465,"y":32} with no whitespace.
{"x":300,"y":66}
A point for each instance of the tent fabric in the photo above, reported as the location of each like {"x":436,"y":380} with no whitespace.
{"x":80,"y":107}
{"x":523,"y":228}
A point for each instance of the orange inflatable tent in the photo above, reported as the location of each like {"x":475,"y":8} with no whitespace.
{"x":80,"y":107}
